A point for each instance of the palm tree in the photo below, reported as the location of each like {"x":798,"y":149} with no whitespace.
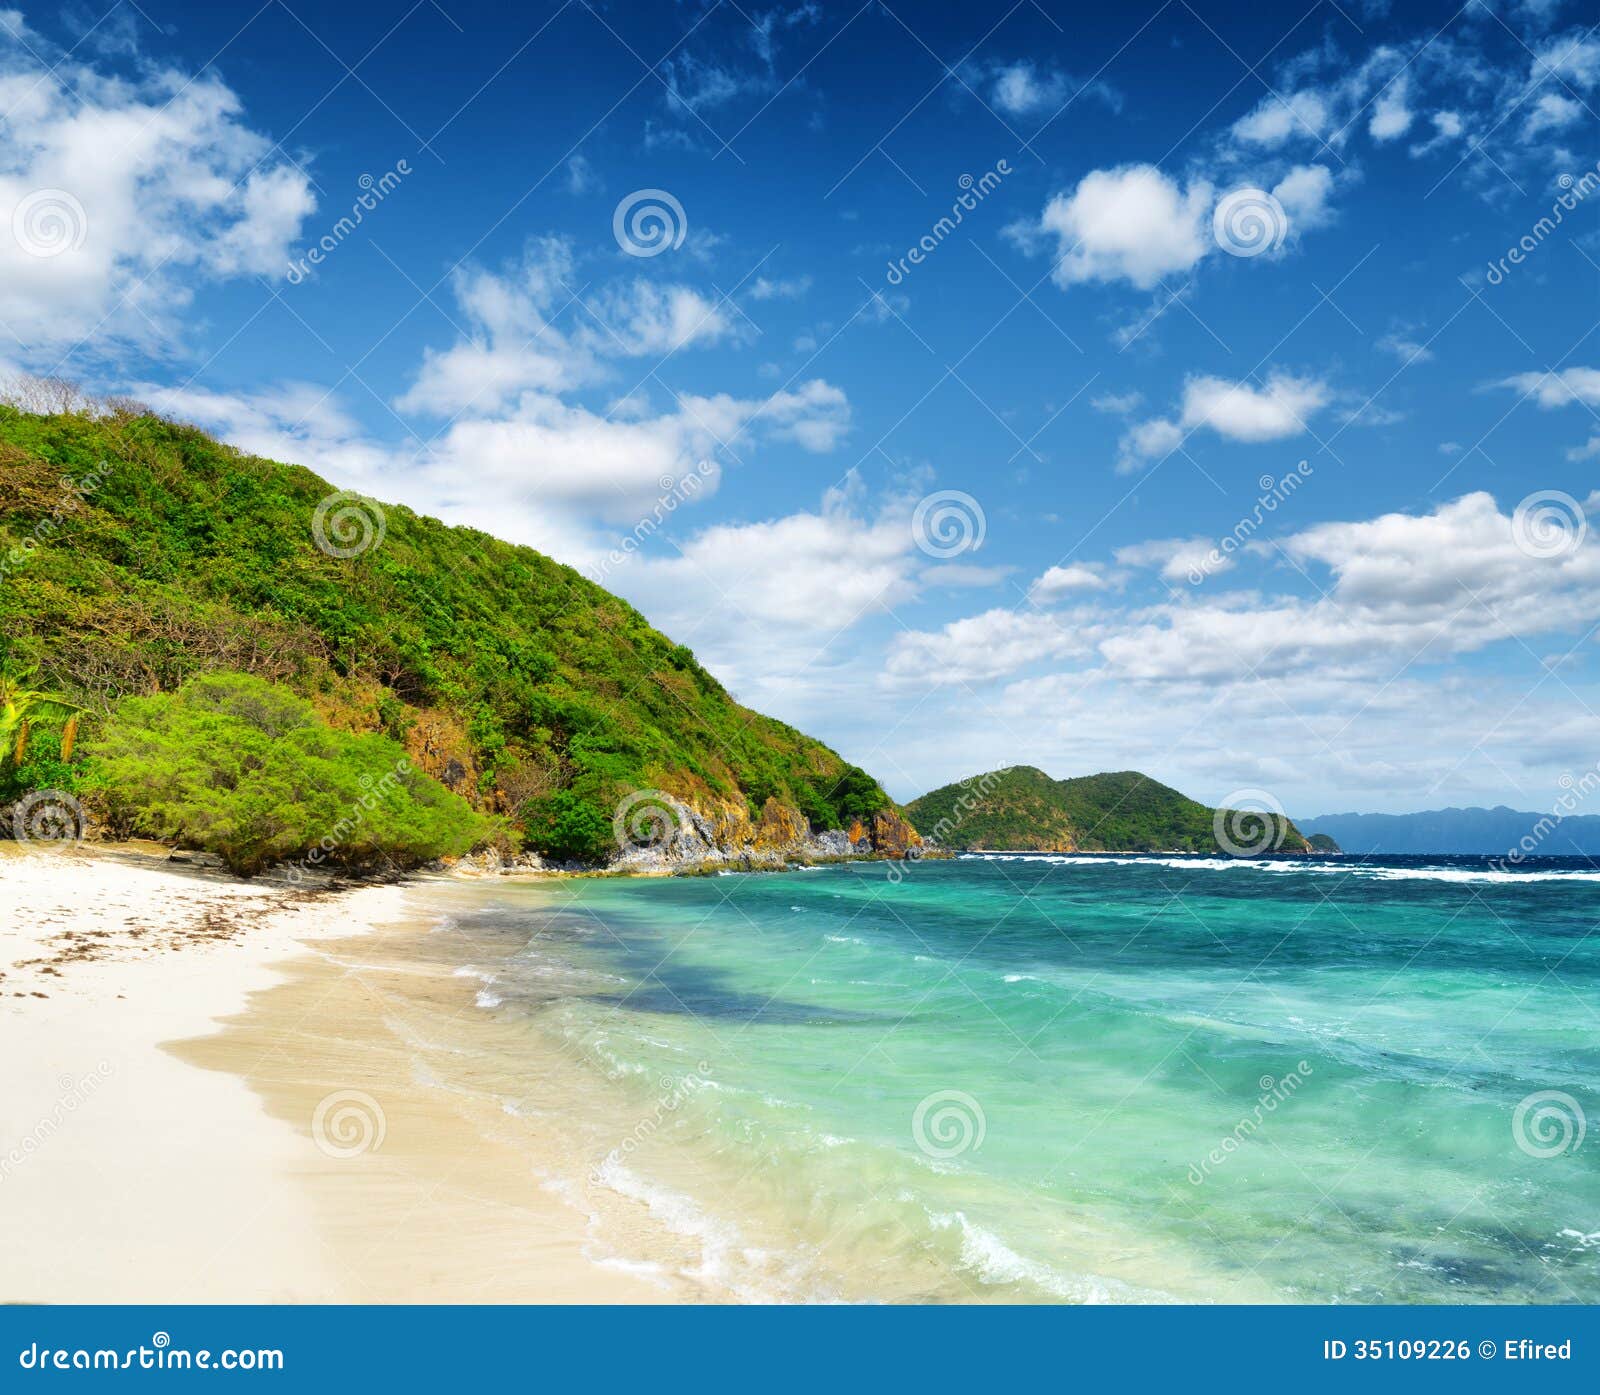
{"x":21,"y":707}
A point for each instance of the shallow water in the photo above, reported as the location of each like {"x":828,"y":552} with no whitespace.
{"x":1082,"y":1079}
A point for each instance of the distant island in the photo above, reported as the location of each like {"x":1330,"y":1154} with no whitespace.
{"x":1022,"y":809}
{"x":1497,"y":832}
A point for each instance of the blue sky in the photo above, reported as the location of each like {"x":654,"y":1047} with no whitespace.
{"x":1192,"y":438}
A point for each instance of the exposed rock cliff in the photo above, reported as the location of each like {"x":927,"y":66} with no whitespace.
{"x":664,"y":833}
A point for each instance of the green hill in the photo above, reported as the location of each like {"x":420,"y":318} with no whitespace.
{"x":136,"y":553}
{"x":1022,"y":808}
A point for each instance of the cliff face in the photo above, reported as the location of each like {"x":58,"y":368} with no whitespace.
{"x":667,"y":834}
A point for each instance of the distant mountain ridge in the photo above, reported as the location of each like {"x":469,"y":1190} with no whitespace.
{"x":1020,"y":808}
{"x":1495,"y":832}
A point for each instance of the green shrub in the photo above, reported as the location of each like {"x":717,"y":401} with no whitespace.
{"x":569,"y":828}
{"x":237,"y":766}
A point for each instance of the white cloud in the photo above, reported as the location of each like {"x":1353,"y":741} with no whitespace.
{"x":1575,"y":58}
{"x":581,"y":176}
{"x":527,"y":330}
{"x":779,"y":289}
{"x":980,"y":647}
{"x":1147,"y":440}
{"x":1447,"y":126}
{"x":1131,"y":223}
{"x":130,"y":191}
{"x":1304,"y":192}
{"x":1271,"y":411}
{"x":1175,"y":559}
{"x":640,"y":318}
{"x":1552,"y":112}
{"x":294,"y":422}
{"x":1023,"y":89}
{"x":1019,"y":90}
{"x":1404,"y":347}
{"x":1277,"y":120}
{"x":1064,"y":581}
{"x":1276,"y":409}
{"x":788,"y":570}
{"x":1117,"y":404}
{"x":1561,"y":389}
{"x":1406,"y":589}
{"x":1391,"y":117}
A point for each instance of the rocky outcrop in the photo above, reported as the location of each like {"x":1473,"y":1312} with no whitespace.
{"x":661,"y":833}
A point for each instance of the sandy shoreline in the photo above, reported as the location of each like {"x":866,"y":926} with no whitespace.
{"x":212,"y":1100}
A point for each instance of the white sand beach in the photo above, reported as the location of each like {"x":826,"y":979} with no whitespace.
{"x":150,"y":1154}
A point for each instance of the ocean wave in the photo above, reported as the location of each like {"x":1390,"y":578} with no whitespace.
{"x":726,"y":1259}
{"x":992,"y":1261}
{"x":1294,"y":865}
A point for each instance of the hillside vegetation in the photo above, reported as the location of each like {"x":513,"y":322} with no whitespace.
{"x":1022,"y":808}
{"x":136,"y":553}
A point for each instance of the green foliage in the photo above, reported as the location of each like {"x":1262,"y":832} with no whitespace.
{"x":240,"y":767}
{"x":566,"y":827}
{"x":1023,"y":808}
{"x":188,"y":557}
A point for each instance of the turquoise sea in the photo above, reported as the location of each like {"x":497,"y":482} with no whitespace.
{"x":1061,"y":1078}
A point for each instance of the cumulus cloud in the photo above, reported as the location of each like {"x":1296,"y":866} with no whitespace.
{"x":125,"y":192}
{"x":1340,"y":692}
{"x":1272,"y":410}
{"x":1132,"y":223}
{"x":1406,"y":589}
{"x":1067,"y":580}
{"x":980,"y":647}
